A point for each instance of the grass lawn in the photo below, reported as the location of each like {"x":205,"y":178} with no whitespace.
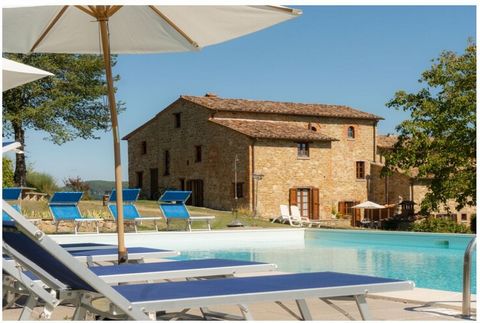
{"x":95,"y":209}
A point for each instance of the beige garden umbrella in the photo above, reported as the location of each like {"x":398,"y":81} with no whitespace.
{"x":368,"y":205}
{"x":15,"y":74}
{"x":110,"y":29}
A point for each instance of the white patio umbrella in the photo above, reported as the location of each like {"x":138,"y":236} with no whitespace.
{"x":368,"y":205}
{"x":15,"y":74}
{"x":130,"y":29}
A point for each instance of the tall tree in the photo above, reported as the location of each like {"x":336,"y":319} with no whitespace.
{"x":7,"y":172}
{"x":439,"y":140}
{"x":68,"y":105}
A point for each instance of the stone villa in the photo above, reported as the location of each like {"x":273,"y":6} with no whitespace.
{"x":320,"y":157}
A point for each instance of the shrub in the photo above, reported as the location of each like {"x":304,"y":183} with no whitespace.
{"x":43,"y":182}
{"x":397,"y":224}
{"x":7,"y":172}
{"x":431,"y":224}
{"x":76,"y":184}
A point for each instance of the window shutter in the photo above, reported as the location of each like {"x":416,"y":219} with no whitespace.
{"x":292,"y":196}
{"x":357,"y":212}
{"x":315,"y":198}
{"x":341,"y":208}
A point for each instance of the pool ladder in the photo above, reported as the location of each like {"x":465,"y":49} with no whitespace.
{"x":467,"y":267}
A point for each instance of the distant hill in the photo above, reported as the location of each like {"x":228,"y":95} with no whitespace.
{"x":99,"y":188}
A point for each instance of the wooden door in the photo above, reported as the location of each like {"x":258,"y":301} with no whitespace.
{"x":196,"y":186}
{"x":154,"y":194}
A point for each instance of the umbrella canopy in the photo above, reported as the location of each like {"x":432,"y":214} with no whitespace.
{"x":130,"y":29}
{"x":368,"y":206}
{"x":10,"y":146}
{"x":15,"y":74}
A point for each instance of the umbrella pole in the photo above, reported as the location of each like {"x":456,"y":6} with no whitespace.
{"x":122,"y":250}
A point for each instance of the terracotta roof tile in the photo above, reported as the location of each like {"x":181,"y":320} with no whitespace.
{"x":273,"y":129}
{"x":256,"y":106}
{"x":386,"y":142}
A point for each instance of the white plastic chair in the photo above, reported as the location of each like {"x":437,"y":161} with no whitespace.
{"x":298,"y":218}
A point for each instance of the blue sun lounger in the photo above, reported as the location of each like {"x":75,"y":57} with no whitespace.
{"x":11,"y":194}
{"x":64,"y":207}
{"x":58,"y":269}
{"x":172,"y":204}
{"x":130,"y":211}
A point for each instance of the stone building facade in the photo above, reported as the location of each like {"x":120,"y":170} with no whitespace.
{"x":313,"y":155}
{"x":322,"y":158}
{"x":404,"y":186}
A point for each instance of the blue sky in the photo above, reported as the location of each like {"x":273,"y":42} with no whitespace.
{"x":356,"y":56}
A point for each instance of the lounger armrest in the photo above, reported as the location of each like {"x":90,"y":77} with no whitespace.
{"x":87,"y":220}
{"x":148,"y":218}
{"x":202,"y":217}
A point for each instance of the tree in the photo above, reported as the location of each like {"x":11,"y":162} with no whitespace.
{"x":76,"y":184}
{"x":43,"y":182}
{"x":7,"y":172}
{"x":439,"y":140}
{"x":67,"y":105}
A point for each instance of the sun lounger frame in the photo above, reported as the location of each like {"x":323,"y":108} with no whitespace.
{"x":130,"y":196}
{"x":77,"y":221}
{"x":137,"y":310}
{"x":177,"y":200}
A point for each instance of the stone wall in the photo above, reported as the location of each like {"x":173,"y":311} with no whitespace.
{"x":331,"y":166}
{"x":388,"y":190}
{"x":219,"y":145}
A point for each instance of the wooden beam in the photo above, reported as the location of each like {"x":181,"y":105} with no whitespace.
{"x":49,"y":27}
{"x":94,"y":10}
{"x":113,"y":10}
{"x":286,"y":9}
{"x":122,"y":250}
{"x":86,"y":10}
{"x":168,"y":21}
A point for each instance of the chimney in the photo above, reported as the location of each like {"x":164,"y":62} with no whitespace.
{"x":211,"y":95}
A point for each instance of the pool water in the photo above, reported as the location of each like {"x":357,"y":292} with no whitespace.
{"x":430,"y":260}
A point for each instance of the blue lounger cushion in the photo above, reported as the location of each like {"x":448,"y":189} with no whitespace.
{"x":175,"y":196}
{"x":129,"y":269}
{"x":66,"y":198}
{"x":170,"y":266}
{"x":6,"y":217}
{"x":114,"y":251}
{"x":175,"y":211}
{"x":244,"y":285}
{"x":85,"y":246}
{"x":130,"y":212}
{"x":66,"y":212}
{"x":130,"y":195}
{"x":11,"y":193}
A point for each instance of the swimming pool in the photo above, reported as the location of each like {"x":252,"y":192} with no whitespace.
{"x":430,"y":260}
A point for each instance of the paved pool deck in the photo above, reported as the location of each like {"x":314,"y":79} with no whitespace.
{"x":339,"y":310}
{"x":419,"y":304}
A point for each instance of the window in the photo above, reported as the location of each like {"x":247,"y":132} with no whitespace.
{"x":144,"y":147}
{"x":239,"y":192}
{"x":464,"y":217}
{"x":360,"y":170}
{"x":182,"y":184}
{"x":178,"y":119}
{"x":198,"y":154}
{"x":303,"y":149}
{"x":351,"y":132}
{"x":154,"y":194}
{"x":349,"y":210}
{"x":139,"y":179}
{"x":166,"y":163}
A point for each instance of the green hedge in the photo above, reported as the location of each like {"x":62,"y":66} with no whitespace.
{"x":440,"y":225}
